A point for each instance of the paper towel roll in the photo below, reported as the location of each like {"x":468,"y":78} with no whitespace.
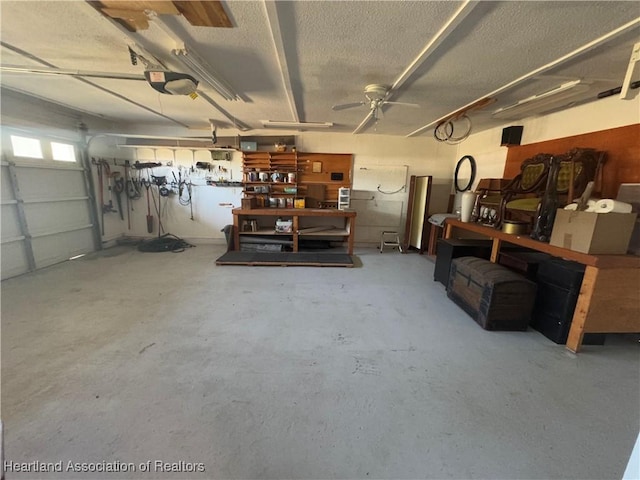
{"x":607,"y":205}
{"x":466,"y":206}
{"x":591,"y":206}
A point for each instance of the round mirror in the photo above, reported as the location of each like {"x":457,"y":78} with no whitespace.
{"x":465,"y":173}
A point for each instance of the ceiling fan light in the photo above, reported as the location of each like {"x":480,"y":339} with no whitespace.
{"x":376,"y":91}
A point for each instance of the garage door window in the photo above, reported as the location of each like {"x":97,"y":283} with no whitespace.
{"x":63,"y":152}
{"x":26,"y":147}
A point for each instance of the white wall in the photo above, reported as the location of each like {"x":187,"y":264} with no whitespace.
{"x":421,"y":156}
{"x":212,"y":205}
{"x":610,"y":112}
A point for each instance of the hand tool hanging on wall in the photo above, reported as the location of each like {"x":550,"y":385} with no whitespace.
{"x":133,"y":185}
{"x":163,"y":191}
{"x":118,"y":188}
{"x":159,"y":182}
{"x":107,"y":171}
{"x":98,"y":164}
{"x":140,"y":166}
{"x":103,"y":170}
{"x":182,"y":186}
{"x":126,"y":186}
{"x":147,"y":185}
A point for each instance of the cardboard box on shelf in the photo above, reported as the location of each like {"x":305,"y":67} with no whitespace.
{"x":248,"y":203}
{"x":594,"y":233}
{"x":284,"y":226}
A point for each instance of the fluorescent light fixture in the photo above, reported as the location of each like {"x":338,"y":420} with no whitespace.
{"x":284,"y":124}
{"x":240,"y":125}
{"x":73,"y":73}
{"x":204,"y":72}
{"x":633,"y":66}
{"x":553,"y":99}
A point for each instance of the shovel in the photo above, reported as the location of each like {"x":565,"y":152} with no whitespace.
{"x":149,"y":216}
{"x":584,"y":199}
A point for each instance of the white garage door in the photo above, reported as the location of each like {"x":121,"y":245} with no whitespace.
{"x":46,"y":208}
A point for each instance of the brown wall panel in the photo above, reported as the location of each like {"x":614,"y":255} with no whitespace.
{"x":622,"y":145}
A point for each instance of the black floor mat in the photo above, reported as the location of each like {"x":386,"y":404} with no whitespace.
{"x":286,"y":258}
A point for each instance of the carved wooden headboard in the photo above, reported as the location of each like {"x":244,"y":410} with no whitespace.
{"x":622,"y":145}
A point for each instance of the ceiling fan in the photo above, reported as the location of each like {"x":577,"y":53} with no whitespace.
{"x":376,"y":95}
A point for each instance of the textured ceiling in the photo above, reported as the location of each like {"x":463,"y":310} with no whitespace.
{"x":293,"y":60}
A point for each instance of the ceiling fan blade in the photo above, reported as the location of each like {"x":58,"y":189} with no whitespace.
{"x":343,"y":106}
{"x":364,"y":122}
{"x":415,"y":105}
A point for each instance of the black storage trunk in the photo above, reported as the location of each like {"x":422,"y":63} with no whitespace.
{"x":559,"y":284}
{"x":452,"y":248}
{"x":494,"y":296}
{"x":526,"y":263}
{"x":562,"y":273}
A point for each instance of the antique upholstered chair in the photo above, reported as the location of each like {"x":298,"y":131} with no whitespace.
{"x":585,"y":163}
{"x":581,"y":164}
{"x":488,"y":200}
{"x":521,"y":196}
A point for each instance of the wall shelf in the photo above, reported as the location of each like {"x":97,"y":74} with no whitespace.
{"x":315,"y":186}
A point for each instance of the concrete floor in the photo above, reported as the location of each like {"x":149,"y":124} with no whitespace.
{"x":297,"y":372}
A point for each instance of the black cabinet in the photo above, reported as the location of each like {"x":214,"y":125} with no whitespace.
{"x":448,"y":249}
{"x":559,"y":284}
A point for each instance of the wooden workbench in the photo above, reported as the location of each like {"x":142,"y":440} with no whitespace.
{"x":609,"y":300}
{"x":305,"y":224}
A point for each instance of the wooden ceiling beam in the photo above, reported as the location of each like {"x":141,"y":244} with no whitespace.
{"x":161,"y":7}
{"x":132,"y":20}
{"x":133,"y":14}
{"x":204,"y":13}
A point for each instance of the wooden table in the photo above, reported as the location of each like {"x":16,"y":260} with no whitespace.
{"x":609,"y":300}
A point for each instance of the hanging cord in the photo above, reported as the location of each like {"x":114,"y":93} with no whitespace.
{"x":444,"y":130}
{"x":164,"y":243}
{"x":185,"y":201}
{"x":133,"y":186}
{"x":182,"y":186}
{"x":156,"y":206}
{"x":401,"y":189}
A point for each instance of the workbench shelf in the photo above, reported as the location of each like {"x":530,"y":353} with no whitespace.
{"x":337,"y":225}
{"x":338,"y":232}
